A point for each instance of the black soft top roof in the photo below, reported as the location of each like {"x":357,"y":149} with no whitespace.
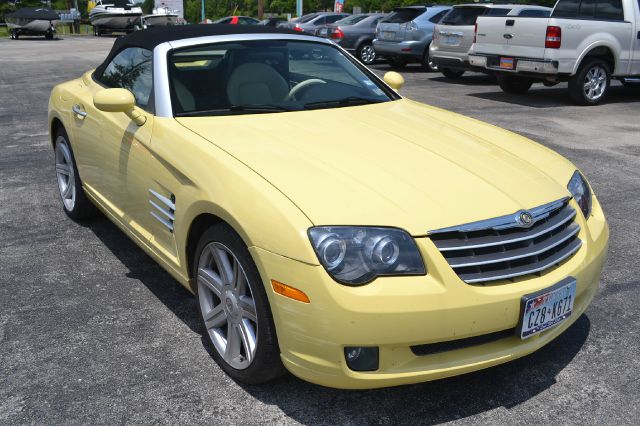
{"x":41,"y":13}
{"x":152,"y":37}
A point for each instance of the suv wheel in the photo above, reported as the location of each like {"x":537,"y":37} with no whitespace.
{"x":234,"y":308}
{"x":366,"y":53}
{"x":427,"y":63}
{"x":514,"y":84}
{"x":453,"y":74}
{"x":589,"y":86}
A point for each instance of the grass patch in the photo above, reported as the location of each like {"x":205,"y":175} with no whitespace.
{"x":4,"y":32}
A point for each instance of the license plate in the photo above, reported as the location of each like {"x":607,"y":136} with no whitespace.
{"x":450,"y":40}
{"x":546,"y":309}
{"x":323,"y":31}
{"x":388,"y":35}
{"x":506,"y":63}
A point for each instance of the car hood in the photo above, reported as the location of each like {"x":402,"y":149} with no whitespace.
{"x":398,"y":163}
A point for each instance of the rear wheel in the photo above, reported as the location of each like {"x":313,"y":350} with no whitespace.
{"x":96,"y":31}
{"x":48,"y":36}
{"x":427,"y":63}
{"x":366,"y":53}
{"x":234,"y":308}
{"x":590,"y":85}
{"x":75,"y":203}
{"x":453,"y":74}
{"x":514,"y":84}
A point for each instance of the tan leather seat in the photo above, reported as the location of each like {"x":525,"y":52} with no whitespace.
{"x":256,"y":84}
{"x":185,"y":98}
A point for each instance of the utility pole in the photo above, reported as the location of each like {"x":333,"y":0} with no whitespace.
{"x":202,"y":11}
{"x":260,"y":9}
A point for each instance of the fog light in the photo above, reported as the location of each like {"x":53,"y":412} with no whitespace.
{"x":361,"y":358}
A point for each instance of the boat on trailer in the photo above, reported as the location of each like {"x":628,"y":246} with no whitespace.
{"x":160,"y":17}
{"x":117,"y":15}
{"x":33,"y":21}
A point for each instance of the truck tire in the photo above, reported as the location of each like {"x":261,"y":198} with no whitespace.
{"x":514,"y":83}
{"x":452,"y":74}
{"x":590,"y":85}
{"x":427,"y":63}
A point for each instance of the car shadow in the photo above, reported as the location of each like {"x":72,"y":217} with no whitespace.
{"x":439,"y":401}
{"x":143,"y":268}
{"x":541,"y":97}
{"x":475,"y":79}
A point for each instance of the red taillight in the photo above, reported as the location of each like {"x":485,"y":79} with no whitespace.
{"x":297,"y":28}
{"x":554,"y":38}
{"x":337,"y":33}
{"x":475,"y":32}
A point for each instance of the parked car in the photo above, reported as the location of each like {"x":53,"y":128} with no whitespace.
{"x":419,"y":244}
{"x":405,"y":35}
{"x":453,"y":36}
{"x":273,"y":22}
{"x":237,"y":20}
{"x":309,"y":23}
{"x":355,"y":33}
{"x":584,"y":42}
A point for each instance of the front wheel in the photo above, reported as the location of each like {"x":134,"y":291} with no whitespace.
{"x":452,"y":74}
{"x":234,"y":308}
{"x":366,"y":54}
{"x":590,"y":85}
{"x":514,"y":84}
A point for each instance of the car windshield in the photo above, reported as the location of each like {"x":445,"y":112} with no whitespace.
{"x":463,"y":15}
{"x":258,"y":76}
{"x":306,"y":18}
{"x":350,"y":20}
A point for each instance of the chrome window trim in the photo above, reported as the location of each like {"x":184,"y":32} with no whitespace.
{"x":162,"y":94}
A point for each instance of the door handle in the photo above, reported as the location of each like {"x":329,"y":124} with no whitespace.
{"x":77,"y":109}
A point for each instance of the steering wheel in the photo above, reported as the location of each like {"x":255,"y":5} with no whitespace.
{"x":295,"y":89}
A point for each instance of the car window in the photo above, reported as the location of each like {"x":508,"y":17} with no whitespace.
{"x":438,"y":16}
{"x":350,"y":20}
{"x":279,"y":75}
{"x":610,"y":10}
{"x":496,"y":11}
{"x":462,"y":16}
{"x":566,"y":9}
{"x":333,"y":18}
{"x":306,"y":18}
{"x":224,"y":21}
{"x":131,"y":69}
{"x":402,"y":15}
{"x":534,"y":13}
{"x":378,"y":19}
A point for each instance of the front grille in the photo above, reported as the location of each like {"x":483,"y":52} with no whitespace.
{"x":501,"y":248}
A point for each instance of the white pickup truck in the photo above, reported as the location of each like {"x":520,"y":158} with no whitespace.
{"x":584,"y":42}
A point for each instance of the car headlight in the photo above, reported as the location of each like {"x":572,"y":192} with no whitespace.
{"x":581,"y":192}
{"x":357,"y":255}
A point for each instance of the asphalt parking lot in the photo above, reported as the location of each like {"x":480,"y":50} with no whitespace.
{"x":93,"y":331}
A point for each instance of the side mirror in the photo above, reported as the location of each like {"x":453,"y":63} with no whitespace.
{"x":118,"y":100}
{"x":393,"y":79}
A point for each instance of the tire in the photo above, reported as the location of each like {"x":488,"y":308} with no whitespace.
{"x":514,"y":84}
{"x":75,"y":203}
{"x":427,"y":64}
{"x":366,"y":53}
{"x":96,"y":31}
{"x":452,"y":74}
{"x":11,"y":35}
{"x":48,"y":36}
{"x":242,"y":308}
{"x":595,"y":73}
{"x":397,"y":63}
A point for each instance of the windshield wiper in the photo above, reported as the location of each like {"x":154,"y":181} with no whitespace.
{"x":351,"y":100}
{"x":236,"y":108}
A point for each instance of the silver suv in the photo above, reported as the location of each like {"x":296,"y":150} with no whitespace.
{"x":453,"y":36}
{"x":404,"y":36}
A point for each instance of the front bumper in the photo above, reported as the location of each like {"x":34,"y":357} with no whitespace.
{"x":395,"y":313}
{"x":522,"y":65}
{"x":413,"y":49}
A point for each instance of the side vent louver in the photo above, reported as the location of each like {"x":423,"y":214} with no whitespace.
{"x":162,"y":209}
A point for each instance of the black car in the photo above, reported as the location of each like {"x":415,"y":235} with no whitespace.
{"x":273,"y":22}
{"x":354,"y":33}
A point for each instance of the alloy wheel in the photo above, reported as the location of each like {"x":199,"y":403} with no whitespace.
{"x":227,"y":305}
{"x":65,"y":174}
{"x":367,"y":54}
{"x":595,"y":83}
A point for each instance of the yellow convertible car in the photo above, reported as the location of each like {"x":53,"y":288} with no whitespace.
{"x":327,"y":225}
